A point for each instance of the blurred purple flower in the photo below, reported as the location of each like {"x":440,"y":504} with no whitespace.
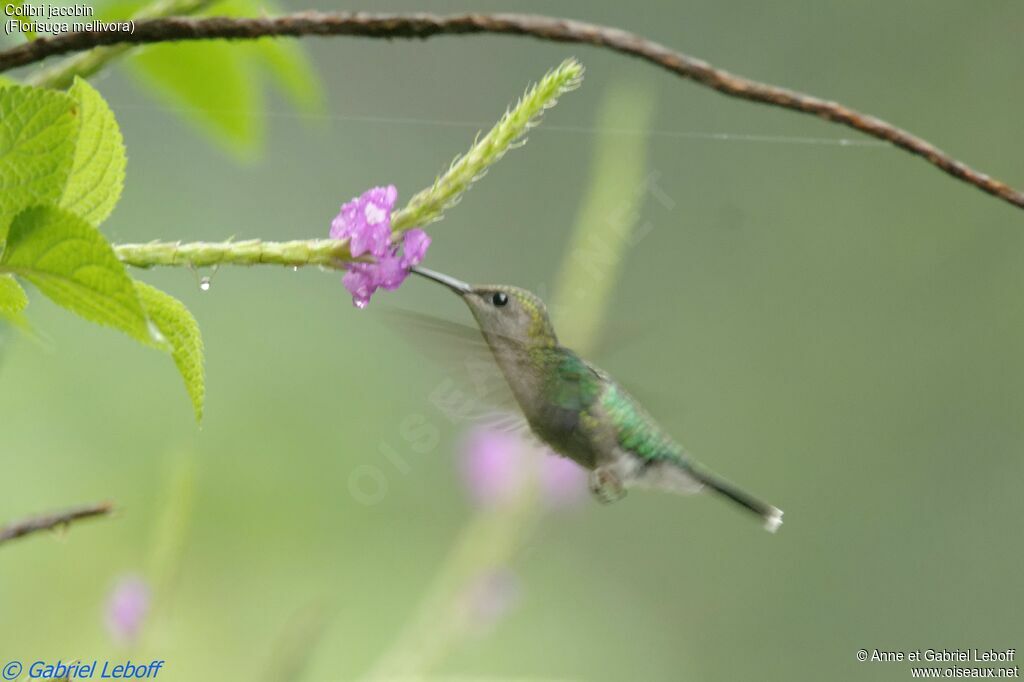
{"x":127,"y":607}
{"x":495,"y":465}
{"x":492,"y":596}
{"x":366,"y":223}
{"x":563,"y":481}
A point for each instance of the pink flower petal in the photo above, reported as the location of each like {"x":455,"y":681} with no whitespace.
{"x":563,"y":481}
{"x":127,"y":607}
{"x":493,"y":466}
{"x":414,"y":247}
{"x":390,"y":273}
{"x":360,"y":282}
{"x":365,"y":222}
{"x":490,"y":597}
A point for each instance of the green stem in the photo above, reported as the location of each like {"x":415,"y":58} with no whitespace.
{"x":430,"y":204}
{"x":328,"y":253}
{"x":425,"y":207}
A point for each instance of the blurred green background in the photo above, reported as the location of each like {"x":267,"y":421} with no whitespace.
{"x":838,"y":328}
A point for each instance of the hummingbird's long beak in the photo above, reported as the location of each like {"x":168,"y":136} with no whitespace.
{"x":456,"y":285}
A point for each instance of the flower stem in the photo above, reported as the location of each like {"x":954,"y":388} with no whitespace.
{"x":425,"y":207}
{"x":429,"y":205}
{"x":328,"y":253}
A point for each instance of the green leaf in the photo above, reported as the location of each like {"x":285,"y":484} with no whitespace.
{"x":287,"y":63}
{"x":37,"y":145}
{"x":283,"y":59}
{"x":12,"y":305}
{"x":25,"y":21}
{"x":181,"y":331}
{"x":97,"y":174}
{"x":217,"y":86}
{"x":70,"y":262}
{"x":212,"y":85}
{"x":12,"y":297}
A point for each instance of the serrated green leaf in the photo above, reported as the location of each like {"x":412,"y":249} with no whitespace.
{"x":12,"y":305}
{"x":212,"y":85}
{"x":97,"y":173}
{"x":37,"y":145}
{"x":70,"y":262}
{"x":181,"y":331}
{"x":12,"y":297}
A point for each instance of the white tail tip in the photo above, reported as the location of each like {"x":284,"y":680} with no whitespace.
{"x":773,"y":520}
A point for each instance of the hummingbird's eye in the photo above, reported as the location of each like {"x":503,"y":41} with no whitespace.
{"x":500,"y":298}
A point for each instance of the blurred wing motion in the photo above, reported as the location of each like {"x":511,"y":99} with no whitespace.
{"x":473,"y":388}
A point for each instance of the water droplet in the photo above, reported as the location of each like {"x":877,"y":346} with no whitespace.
{"x":361,"y":303}
{"x":154,"y":333}
{"x":204,"y":283}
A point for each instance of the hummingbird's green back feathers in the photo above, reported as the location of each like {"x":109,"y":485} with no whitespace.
{"x":572,"y":383}
{"x":637,"y":431}
{"x":575,"y":384}
{"x":589,"y":402}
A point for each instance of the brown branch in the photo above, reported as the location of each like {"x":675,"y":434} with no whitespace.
{"x":544,"y":28}
{"x":49,"y":521}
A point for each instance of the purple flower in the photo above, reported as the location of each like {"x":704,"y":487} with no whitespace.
{"x":127,"y":607}
{"x":491,"y":596}
{"x":563,"y":481}
{"x":415,"y":247}
{"x":366,"y":223}
{"x":495,"y":466}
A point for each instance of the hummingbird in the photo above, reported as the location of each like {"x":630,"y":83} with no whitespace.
{"x":578,"y":410}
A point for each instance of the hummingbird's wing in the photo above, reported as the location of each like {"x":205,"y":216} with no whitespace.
{"x":473,"y":389}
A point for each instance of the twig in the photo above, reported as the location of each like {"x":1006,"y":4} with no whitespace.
{"x":423,"y":26}
{"x":49,"y":521}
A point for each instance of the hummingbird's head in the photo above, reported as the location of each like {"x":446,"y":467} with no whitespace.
{"x":501,"y":311}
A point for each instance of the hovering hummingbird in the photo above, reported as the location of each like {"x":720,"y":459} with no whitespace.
{"x":578,"y":409}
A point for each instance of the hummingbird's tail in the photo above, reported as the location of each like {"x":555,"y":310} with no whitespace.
{"x":770,"y":516}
